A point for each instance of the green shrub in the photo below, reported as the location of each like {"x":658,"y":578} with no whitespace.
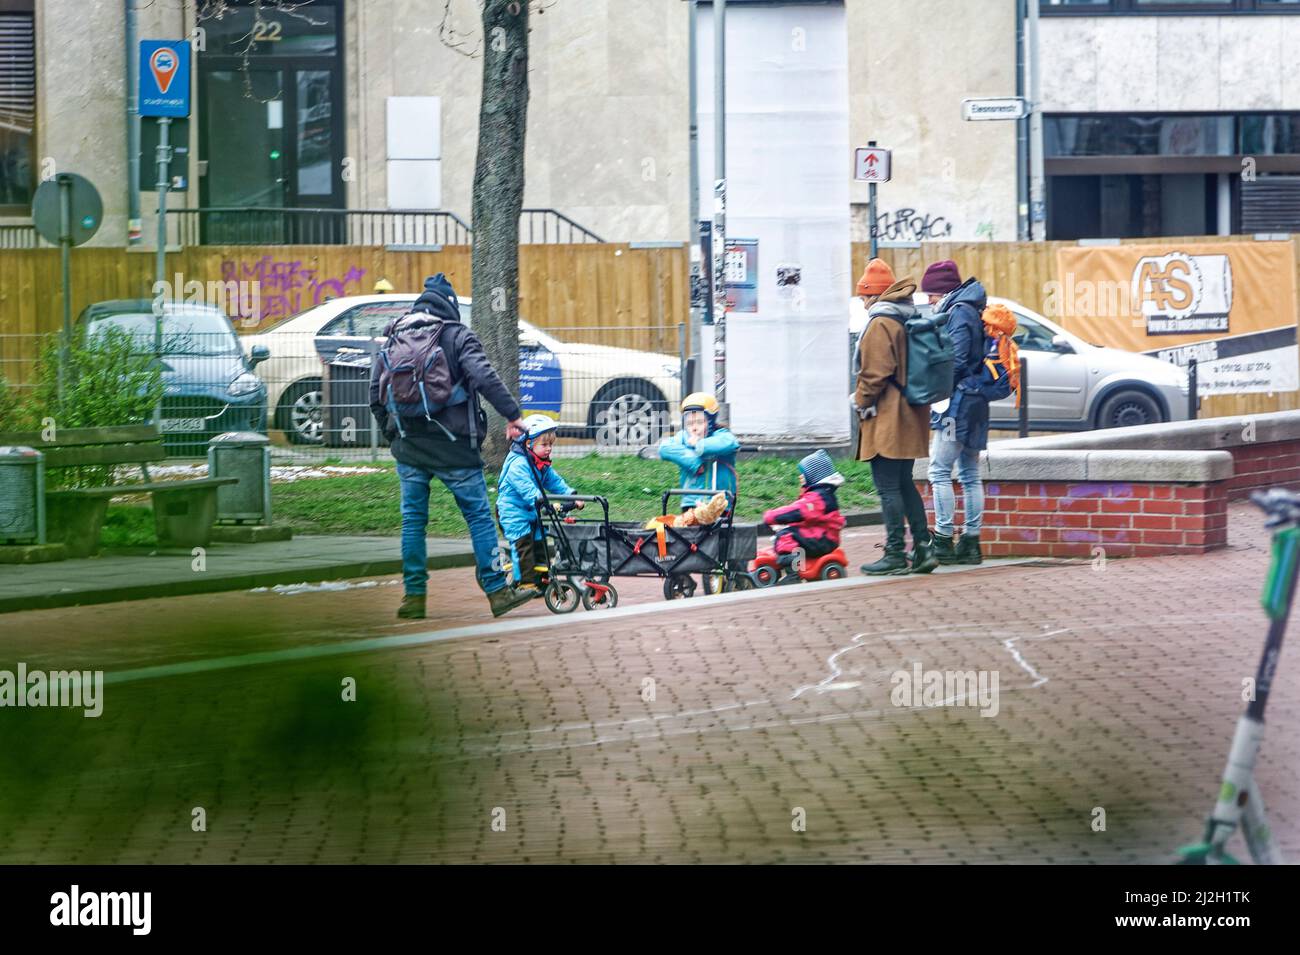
{"x":15,"y":415}
{"x":110,"y":382}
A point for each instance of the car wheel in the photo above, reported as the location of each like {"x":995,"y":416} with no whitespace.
{"x":1128,"y":409}
{"x":301,"y":415}
{"x":628,"y":412}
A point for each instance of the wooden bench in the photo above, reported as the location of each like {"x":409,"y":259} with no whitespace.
{"x":184,"y":510}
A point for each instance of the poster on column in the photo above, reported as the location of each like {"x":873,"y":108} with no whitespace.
{"x":788,"y":242}
{"x":1231,"y":306}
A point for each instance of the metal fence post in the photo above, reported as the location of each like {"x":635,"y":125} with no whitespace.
{"x":1024,"y":397}
{"x":1193,"y":403}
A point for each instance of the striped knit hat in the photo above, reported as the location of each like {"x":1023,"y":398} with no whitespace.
{"x":817,"y":467}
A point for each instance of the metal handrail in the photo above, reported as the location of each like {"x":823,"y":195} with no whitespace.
{"x":257,"y":225}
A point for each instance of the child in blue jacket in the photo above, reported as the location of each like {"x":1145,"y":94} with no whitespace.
{"x":705,"y":453}
{"x":526,"y":473}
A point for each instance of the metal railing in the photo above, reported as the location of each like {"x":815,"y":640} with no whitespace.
{"x":270,"y":225}
{"x":19,"y":237}
{"x":273,"y":225}
{"x":550,"y":226}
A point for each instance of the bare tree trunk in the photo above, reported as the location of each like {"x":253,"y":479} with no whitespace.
{"x":498,"y":197}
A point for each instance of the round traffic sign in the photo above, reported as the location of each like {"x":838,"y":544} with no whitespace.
{"x":85,"y":208}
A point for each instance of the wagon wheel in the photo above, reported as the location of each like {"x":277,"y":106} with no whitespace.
{"x":679,"y":587}
{"x":561,"y":597}
{"x":607,"y":601}
{"x":764,"y":576}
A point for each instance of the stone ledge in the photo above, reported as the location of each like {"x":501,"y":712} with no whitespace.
{"x":1041,"y":464}
{"x":1201,"y":435}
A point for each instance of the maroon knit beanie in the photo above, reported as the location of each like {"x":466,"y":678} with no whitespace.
{"x":941,"y":278}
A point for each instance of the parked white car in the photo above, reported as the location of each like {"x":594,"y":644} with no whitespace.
{"x":1075,"y":385}
{"x":611,"y":395}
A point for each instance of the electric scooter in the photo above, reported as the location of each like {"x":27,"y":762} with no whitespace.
{"x":1240,"y":802}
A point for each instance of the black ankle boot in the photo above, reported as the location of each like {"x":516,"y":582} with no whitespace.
{"x":968,"y":550}
{"x":943,"y":549}
{"x":893,"y":563}
{"x":923,"y":559}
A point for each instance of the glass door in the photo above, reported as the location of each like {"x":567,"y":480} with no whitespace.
{"x":272,"y":124}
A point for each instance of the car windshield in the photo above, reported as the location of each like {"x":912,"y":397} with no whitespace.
{"x":184,"y":333}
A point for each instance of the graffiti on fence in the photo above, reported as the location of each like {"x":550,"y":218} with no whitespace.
{"x":287,"y":286}
{"x":908,"y":225}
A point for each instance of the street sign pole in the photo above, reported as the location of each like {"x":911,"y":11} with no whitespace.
{"x":164,"y":93}
{"x":66,"y":211}
{"x":720,"y":205}
{"x":65,"y":266}
{"x":164,"y":166}
{"x":871,"y":208}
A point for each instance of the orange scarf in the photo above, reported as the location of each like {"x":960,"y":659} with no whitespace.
{"x":1000,"y":324}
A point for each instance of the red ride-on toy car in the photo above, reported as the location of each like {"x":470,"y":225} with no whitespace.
{"x":765,"y":571}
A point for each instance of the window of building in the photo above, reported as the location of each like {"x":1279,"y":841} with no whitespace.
{"x":1128,"y":176}
{"x":1149,"y":7}
{"x":1174,"y":134}
{"x":17,"y":106}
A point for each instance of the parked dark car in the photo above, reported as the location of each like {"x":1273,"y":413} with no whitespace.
{"x":208,"y":381}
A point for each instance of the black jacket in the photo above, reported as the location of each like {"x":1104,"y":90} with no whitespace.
{"x":425,"y":445}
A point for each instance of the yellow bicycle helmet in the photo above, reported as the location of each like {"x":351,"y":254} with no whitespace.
{"x":701,"y":401}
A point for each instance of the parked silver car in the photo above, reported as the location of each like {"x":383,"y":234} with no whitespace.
{"x":1075,"y":385}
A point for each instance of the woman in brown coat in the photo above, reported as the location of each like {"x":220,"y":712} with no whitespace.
{"x":893,"y":433}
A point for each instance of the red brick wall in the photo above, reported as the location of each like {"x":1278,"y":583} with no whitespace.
{"x":1263,"y":465}
{"x":1070,"y":519}
{"x":1127,"y":519}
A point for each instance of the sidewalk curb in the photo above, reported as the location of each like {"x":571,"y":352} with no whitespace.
{"x":212,"y":585}
{"x":199,"y":584}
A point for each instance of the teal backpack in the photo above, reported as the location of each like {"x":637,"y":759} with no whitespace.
{"x":930,"y":360}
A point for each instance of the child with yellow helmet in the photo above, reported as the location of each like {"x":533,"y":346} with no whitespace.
{"x":704,"y":452}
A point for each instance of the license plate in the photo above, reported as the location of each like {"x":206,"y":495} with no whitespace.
{"x":182,"y":424}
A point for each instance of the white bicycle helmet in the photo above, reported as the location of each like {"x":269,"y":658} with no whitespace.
{"x":536,"y":425}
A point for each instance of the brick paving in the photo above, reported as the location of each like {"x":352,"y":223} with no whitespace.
{"x":1119,"y":687}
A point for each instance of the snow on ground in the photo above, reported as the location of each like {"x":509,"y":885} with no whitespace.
{"x":280,"y":473}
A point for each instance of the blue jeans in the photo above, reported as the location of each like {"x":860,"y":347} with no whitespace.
{"x":944,"y":453}
{"x":470,"y":490}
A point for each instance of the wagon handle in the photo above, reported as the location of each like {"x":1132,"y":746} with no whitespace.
{"x":574,"y":498}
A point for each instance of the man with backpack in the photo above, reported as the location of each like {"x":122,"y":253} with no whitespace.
{"x":424,"y":392}
{"x":961,"y":425}
{"x":894,"y":431}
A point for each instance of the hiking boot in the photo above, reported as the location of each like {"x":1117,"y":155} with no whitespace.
{"x":968,"y":550}
{"x":507,"y":599}
{"x":923,"y":558}
{"x":943,"y":549}
{"x":412,"y":607}
{"x":893,"y":564}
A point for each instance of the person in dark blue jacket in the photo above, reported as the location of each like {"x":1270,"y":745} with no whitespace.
{"x":961,"y":428}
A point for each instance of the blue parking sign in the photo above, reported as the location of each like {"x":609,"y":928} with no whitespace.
{"x":164,"y":78}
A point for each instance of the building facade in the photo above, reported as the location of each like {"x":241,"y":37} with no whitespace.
{"x":1160,"y":117}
